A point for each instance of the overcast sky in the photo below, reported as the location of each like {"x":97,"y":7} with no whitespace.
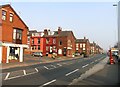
{"x":97,"y":21}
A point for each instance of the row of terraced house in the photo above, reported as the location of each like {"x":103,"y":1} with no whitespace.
{"x":62,"y":43}
{"x":16,"y":39}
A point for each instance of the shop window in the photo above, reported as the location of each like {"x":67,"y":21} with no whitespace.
{"x":3,"y":15}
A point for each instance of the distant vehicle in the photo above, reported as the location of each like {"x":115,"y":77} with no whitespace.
{"x":39,"y":54}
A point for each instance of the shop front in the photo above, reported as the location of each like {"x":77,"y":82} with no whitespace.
{"x":14,"y":52}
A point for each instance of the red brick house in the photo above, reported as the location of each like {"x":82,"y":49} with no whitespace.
{"x":83,"y":46}
{"x":65,"y":43}
{"x":13,"y":35}
{"x":50,"y":42}
{"x":59,"y":42}
{"x":93,"y":48}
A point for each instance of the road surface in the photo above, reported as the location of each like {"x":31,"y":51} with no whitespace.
{"x":56,"y":73}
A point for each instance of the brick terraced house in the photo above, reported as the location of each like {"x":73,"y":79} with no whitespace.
{"x":83,"y":46}
{"x":13,"y":35}
{"x":59,"y":42}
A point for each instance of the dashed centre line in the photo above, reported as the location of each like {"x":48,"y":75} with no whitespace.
{"x":85,"y":66}
{"x":48,"y":83}
{"x":72,"y":72}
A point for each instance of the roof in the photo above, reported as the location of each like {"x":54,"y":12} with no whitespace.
{"x":8,"y":5}
{"x":81,"y":40}
{"x":62,"y":33}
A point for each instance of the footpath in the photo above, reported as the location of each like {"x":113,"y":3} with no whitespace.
{"x":109,"y":75}
{"x":30,"y":60}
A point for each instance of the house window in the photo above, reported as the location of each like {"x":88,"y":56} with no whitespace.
{"x":47,"y":48}
{"x":47,"y":40}
{"x":83,"y":48}
{"x":28,"y":38}
{"x":60,"y":42}
{"x":38,"y":40}
{"x":34,"y":47}
{"x":60,"y":51}
{"x":11,"y":17}
{"x":54,"y":41}
{"x":39,"y":47}
{"x":76,"y":45}
{"x":80,"y":45}
{"x":32,"y":41}
{"x":83,"y":45}
{"x":3,"y":15}
{"x":17,"y":36}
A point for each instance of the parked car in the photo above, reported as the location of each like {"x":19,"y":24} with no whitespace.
{"x":39,"y":54}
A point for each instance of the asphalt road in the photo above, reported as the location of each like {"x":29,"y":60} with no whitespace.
{"x":57,"y":73}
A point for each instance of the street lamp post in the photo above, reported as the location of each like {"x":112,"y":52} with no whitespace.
{"x":118,"y":24}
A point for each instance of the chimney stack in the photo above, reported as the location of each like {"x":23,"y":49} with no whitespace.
{"x":45,"y":32}
{"x":84,"y":38}
{"x":59,"y":30}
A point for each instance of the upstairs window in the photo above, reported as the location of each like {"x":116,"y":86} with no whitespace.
{"x":32,"y":41}
{"x":47,"y":40}
{"x":11,"y":17}
{"x":38,"y":40}
{"x":39,"y":47}
{"x":60,"y":43}
{"x":3,"y":15}
{"x":54,"y":41}
{"x":17,"y":36}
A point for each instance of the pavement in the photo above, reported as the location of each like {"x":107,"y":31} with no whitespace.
{"x":109,"y":75}
{"x":30,"y":60}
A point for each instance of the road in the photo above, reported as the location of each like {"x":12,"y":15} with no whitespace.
{"x":57,"y":73}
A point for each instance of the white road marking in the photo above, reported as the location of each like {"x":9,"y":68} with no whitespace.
{"x":95,"y":60}
{"x":53,"y":66}
{"x":71,"y":72}
{"x":59,"y":64}
{"x":64,"y":63}
{"x":24,"y":72}
{"x":7,"y":76}
{"x":49,"y":82}
{"x":46,"y":67}
{"x":36,"y":69}
{"x":19,"y":76}
{"x":85,"y":66}
{"x":91,"y":62}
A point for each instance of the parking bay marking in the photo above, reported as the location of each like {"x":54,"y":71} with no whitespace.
{"x":24,"y":74}
{"x":46,"y":67}
{"x":7,"y":76}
